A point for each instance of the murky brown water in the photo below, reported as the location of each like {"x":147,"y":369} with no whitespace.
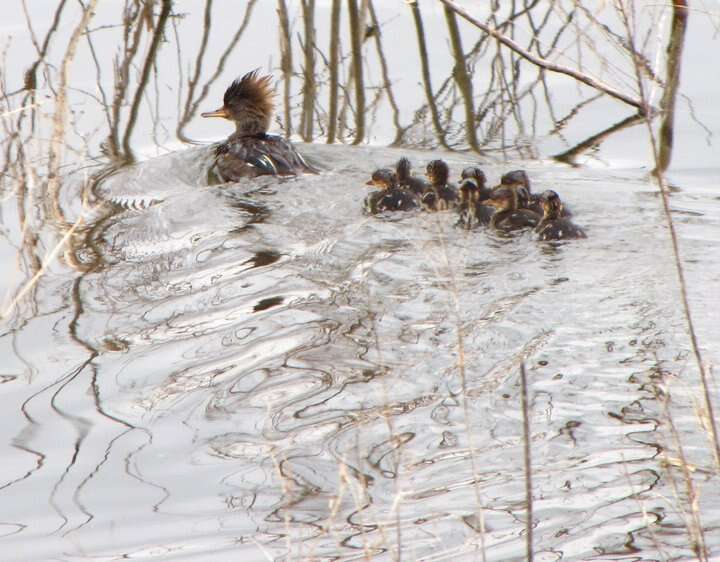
{"x":259,"y":371}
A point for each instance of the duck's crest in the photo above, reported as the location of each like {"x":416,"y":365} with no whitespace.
{"x":252,"y":88}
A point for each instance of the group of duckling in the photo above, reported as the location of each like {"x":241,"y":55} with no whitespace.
{"x":250,"y":152}
{"x":509,"y":206}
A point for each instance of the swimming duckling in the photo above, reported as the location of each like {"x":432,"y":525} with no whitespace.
{"x":405,"y":178}
{"x":526,"y":198}
{"x":390,"y":197}
{"x":507,"y":215}
{"x":441,"y":196}
{"x":519,"y":181}
{"x":473,"y":194}
{"x":553,"y":226}
{"x":250,"y":151}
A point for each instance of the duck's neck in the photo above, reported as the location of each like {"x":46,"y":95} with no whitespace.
{"x":252,"y":126}
{"x":484,"y":193}
{"x":439,"y":182}
{"x":551,"y":214}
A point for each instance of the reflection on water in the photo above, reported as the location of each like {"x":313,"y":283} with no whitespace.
{"x":259,"y":371}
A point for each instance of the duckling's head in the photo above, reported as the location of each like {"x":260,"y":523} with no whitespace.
{"x":522,"y":195}
{"x":476,"y":174}
{"x":551,"y":204}
{"x":503,"y":199}
{"x":437,"y":172}
{"x":403,"y":168}
{"x":384,"y":178}
{"x":249,"y":103}
{"x":516,"y":177}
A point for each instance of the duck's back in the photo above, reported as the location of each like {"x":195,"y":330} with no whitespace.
{"x":398,"y":200}
{"x":449,"y":193}
{"x":391,"y":200}
{"x":416,"y":185}
{"x":515,"y":220}
{"x":258,"y":155}
{"x":559,"y":229}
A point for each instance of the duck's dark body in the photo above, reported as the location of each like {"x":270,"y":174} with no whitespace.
{"x":394,"y":199}
{"x":514,"y":219}
{"x":559,"y":229}
{"x":250,"y":156}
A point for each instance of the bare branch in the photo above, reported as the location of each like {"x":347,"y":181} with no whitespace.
{"x":551,"y":66}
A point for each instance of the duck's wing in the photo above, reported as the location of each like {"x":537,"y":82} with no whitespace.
{"x":283,"y":156}
{"x":259,"y":155}
{"x":372,"y":202}
{"x":403,"y":200}
{"x":417,"y":185}
{"x":484,"y":213}
{"x":560,"y":229}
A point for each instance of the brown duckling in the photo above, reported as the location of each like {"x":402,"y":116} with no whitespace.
{"x":518,"y":179}
{"x":441,"y":196}
{"x":390,"y":197}
{"x":553,"y":225}
{"x":507,"y":215}
{"x":405,"y":178}
{"x":473,"y":193}
{"x":250,"y":151}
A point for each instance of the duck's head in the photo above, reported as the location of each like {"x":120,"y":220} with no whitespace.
{"x":551,"y":204}
{"x":516,"y":177}
{"x":384,"y":178}
{"x":515,"y":182}
{"x":437,"y":172}
{"x":476,"y":174}
{"x":249,"y":103}
{"x":503,"y":199}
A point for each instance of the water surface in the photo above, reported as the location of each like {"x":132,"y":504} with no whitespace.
{"x":259,"y":371}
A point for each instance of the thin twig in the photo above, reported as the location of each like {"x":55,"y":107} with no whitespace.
{"x":425,"y":66}
{"x":461,"y":77}
{"x":674,"y":67}
{"x":52,"y":193}
{"x":307,"y":118}
{"x":547,"y":65}
{"x":286,"y":62}
{"x":525,"y":404}
{"x":150,"y":60}
{"x":356,"y":44}
{"x":334,"y":62}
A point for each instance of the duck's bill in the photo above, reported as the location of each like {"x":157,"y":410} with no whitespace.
{"x":371,"y":183}
{"x":222,"y":112}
